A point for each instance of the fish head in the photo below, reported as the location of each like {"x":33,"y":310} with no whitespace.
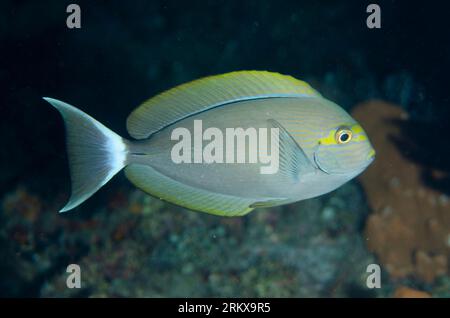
{"x":344,"y":149}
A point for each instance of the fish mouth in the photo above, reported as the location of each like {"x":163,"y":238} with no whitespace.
{"x":371,"y":156}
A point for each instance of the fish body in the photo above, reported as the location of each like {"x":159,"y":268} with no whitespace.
{"x":310,"y":159}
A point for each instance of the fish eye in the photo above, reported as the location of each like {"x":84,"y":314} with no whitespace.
{"x":343,"y":135}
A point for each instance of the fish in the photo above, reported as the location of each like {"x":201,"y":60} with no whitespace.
{"x":318,"y":145}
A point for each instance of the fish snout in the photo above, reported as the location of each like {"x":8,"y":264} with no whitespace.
{"x":371,"y":155}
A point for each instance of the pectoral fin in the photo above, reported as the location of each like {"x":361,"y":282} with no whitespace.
{"x":293,"y":162}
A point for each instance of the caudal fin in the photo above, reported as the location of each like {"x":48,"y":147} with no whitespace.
{"x":95,"y":153}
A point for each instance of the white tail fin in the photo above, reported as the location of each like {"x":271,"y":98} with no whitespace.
{"x":95,"y":153}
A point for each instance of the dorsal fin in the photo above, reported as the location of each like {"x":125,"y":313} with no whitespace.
{"x":209,"y":92}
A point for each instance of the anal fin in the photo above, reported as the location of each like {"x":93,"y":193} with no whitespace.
{"x":165,"y":188}
{"x":268,"y":203}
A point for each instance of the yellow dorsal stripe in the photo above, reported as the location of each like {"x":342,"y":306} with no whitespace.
{"x":191,"y":98}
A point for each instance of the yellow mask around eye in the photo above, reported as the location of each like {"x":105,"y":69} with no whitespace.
{"x":343,"y":135}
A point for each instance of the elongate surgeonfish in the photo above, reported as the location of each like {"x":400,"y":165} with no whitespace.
{"x":319,"y":146}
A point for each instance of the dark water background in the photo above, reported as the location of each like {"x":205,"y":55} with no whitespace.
{"x":127,"y":52}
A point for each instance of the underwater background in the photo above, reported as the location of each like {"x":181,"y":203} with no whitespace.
{"x":393,"y":80}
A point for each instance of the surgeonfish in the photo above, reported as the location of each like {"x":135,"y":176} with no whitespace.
{"x":319,"y":145}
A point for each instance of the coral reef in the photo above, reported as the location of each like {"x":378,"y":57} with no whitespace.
{"x":129,"y":244}
{"x":141,"y":247}
{"x":406,"y":292}
{"x":409,"y":227}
